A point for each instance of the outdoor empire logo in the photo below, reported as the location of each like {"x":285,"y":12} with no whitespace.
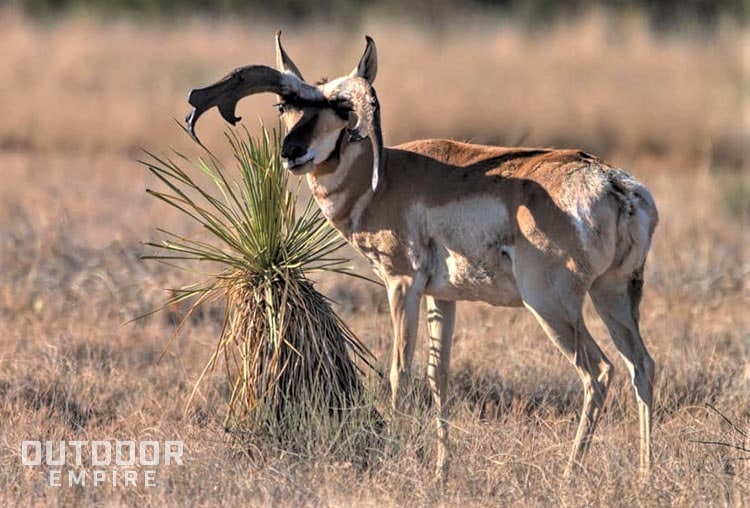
{"x":96,"y":463}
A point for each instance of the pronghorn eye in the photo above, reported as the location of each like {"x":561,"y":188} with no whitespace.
{"x":281,"y":107}
{"x":343,"y":112}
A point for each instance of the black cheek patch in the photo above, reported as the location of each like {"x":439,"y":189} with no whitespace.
{"x":302,"y":132}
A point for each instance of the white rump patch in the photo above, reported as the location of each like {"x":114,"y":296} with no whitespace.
{"x":583,"y":189}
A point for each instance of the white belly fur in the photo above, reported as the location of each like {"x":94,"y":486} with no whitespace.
{"x":465,"y":251}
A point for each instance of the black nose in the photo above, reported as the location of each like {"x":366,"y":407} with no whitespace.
{"x":292,"y":152}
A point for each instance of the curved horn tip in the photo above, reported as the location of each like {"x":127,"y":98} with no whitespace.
{"x":190,"y":121}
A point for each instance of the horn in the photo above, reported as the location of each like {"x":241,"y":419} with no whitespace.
{"x":283,"y":62}
{"x":242,"y":82}
{"x":358,"y":93}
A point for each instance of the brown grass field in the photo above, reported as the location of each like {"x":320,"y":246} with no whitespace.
{"x":80,"y":97}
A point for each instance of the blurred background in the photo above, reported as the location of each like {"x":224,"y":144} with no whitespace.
{"x":640,"y":80}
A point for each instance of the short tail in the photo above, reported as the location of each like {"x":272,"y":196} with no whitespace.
{"x":636,"y":223}
{"x":635,"y":292}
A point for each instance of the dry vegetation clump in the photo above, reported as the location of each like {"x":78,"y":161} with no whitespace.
{"x":290,"y":360}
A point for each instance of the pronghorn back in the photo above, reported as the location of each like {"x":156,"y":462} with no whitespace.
{"x":465,"y":210}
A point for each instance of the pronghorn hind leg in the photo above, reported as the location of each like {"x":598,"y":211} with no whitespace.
{"x":558,"y":308}
{"x":441,"y":315}
{"x":617,"y":301}
{"x":593,"y":367}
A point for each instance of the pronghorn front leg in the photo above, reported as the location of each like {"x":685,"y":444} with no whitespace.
{"x":404,"y":295}
{"x":441,"y":316}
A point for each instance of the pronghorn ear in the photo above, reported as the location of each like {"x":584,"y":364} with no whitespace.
{"x":368,"y":65}
{"x":283,"y":62}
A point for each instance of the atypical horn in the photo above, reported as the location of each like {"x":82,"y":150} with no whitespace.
{"x":245,"y":81}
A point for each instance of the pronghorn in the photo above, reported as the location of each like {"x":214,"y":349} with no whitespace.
{"x":449,"y":221}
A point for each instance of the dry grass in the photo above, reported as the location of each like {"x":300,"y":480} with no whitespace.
{"x":73,"y":210}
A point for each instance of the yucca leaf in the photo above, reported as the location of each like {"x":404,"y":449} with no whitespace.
{"x":283,"y":347}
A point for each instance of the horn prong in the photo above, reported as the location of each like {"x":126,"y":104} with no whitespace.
{"x":190,"y":121}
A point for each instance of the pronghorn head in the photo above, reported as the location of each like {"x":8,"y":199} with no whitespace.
{"x":317,"y":117}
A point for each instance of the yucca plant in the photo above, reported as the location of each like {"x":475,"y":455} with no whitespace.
{"x":289,"y":357}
